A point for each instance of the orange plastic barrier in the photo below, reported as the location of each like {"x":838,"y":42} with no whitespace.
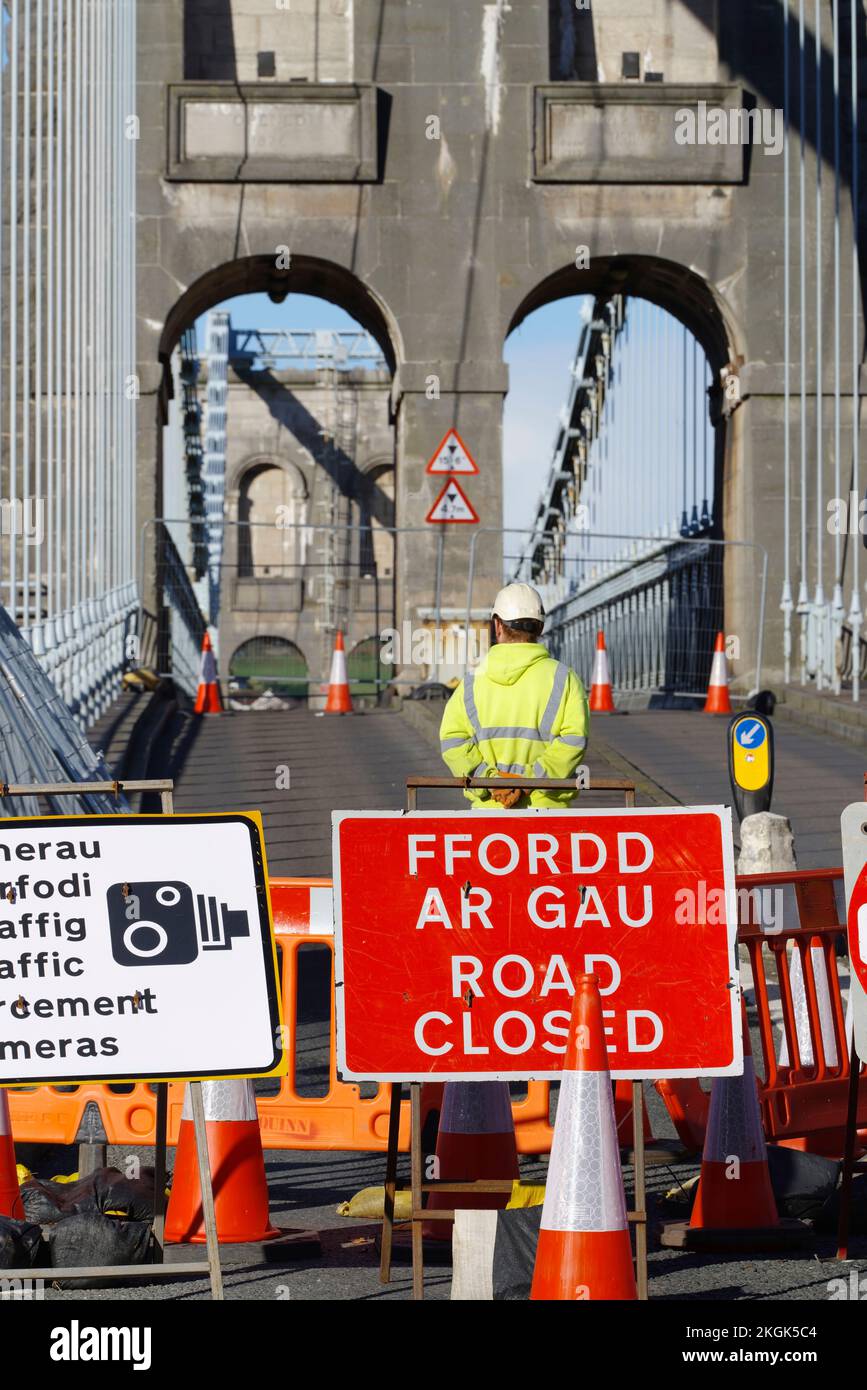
{"x":338,"y":1119}
{"x":341,"y":1118}
{"x":803,"y":1106}
{"x":803,"y":1101}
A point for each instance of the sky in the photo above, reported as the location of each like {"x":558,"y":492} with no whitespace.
{"x":539,"y":355}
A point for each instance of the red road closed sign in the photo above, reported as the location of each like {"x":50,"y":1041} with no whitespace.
{"x":458,"y":935}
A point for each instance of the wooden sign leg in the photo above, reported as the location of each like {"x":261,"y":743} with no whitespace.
{"x":390,"y":1184}
{"x":640,"y":1189}
{"x":848,"y":1153}
{"x":207,"y":1190}
{"x":416,"y":1182}
{"x":159,"y":1227}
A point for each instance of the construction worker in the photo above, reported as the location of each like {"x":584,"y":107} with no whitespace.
{"x":521,"y":713}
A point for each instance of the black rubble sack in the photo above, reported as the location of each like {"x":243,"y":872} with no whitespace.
{"x":109,"y":1191}
{"x":803,"y":1183}
{"x":42,"y":1201}
{"x":515,"y":1253}
{"x":104,"y":1190}
{"x":826,"y":1222}
{"x":20,"y":1243}
{"x":88,"y":1238}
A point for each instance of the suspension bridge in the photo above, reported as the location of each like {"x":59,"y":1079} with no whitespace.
{"x":174,"y":179}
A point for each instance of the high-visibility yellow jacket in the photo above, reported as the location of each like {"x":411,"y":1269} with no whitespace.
{"x":520,"y":712}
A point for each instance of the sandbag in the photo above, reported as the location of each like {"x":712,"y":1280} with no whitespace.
{"x":526,"y":1194}
{"x":473,"y":1241}
{"x":88,"y":1238}
{"x":20,"y":1243}
{"x":370,"y":1202}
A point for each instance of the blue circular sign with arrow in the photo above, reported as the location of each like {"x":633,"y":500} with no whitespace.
{"x":750,"y":733}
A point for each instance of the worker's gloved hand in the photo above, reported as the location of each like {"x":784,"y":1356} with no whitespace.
{"x":509,"y":796}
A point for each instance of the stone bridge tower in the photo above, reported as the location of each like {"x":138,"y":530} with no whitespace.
{"x":435,"y":168}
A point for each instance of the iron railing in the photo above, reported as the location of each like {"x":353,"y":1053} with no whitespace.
{"x":68,"y":384}
{"x":660,"y":602}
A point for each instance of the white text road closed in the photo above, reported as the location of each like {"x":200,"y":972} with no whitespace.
{"x":459,"y":935}
{"x":136,"y":948}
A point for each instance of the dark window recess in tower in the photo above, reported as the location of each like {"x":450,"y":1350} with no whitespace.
{"x":571,"y":42}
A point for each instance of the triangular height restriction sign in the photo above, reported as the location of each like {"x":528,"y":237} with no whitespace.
{"x":452,"y":456}
{"x":452,"y":505}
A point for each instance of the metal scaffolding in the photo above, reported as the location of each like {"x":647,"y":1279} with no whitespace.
{"x":68,"y":385}
{"x":216,"y":404}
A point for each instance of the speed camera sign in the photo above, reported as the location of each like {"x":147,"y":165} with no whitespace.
{"x":136,"y":948}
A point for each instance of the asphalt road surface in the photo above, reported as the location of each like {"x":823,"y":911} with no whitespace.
{"x":360,"y":762}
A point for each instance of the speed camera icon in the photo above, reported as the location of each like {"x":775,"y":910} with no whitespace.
{"x":167,"y":923}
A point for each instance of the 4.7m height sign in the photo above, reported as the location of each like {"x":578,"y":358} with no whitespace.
{"x":459,"y":935}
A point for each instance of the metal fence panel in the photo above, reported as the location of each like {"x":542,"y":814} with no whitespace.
{"x":659,"y":601}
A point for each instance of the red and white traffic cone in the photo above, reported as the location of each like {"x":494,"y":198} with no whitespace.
{"x":688,"y":1106}
{"x":735,"y":1207}
{"x":718,"y":701}
{"x":584,"y":1250}
{"x":339,"y":699}
{"x":476,"y":1140}
{"x":208,"y":697}
{"x":601,"y":698}
{"x":237,"y":1169}
{"x":10,"y":1196}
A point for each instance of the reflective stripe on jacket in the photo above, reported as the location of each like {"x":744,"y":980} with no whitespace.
{"x":521,"y":712}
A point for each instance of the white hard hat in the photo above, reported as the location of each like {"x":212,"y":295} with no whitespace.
{"x":518,"y":601}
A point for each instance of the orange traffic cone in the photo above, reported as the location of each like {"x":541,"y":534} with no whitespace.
{"x":718,"y":701}
{"x":432,"y":1093}
{"x":735,"y":1207}
{"x":10,"y":1197}
{"x":584,"y":1249}
{"x":601,"y":698}
{"x":208,"y":697}
{"x":339,"y":700}
{"x":476,"y":1139}
{"x":237,"y":1169}
{"x":687,"y":1105}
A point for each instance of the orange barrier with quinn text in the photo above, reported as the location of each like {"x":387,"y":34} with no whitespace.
{"x":803,"y":1098}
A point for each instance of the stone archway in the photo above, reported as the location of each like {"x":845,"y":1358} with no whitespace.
{"x":268,"y":662}
{"x":698,"y":305}
{"x":305,"y":275}
{"x":674,"y":287}
{"x":271,"y":506}
{"x":260,"y":274}
{"x":688,"y":298}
